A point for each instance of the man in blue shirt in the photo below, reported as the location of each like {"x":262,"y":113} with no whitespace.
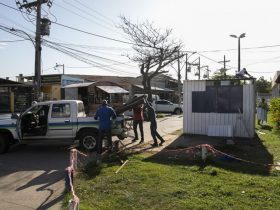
{"x":104,"y":114}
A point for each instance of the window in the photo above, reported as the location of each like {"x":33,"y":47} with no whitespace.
{"x":61,"y":110}
{"x":218,"y":99}
{"x":81,"y":108}
{"x":162,"y":102}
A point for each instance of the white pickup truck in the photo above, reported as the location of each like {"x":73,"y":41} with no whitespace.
{"x":54,"y":121}
{"x":167,"y":106}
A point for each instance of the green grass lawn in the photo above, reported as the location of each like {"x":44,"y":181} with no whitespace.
{"x":167,"y":181}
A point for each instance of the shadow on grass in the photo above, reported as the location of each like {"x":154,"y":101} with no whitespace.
{"x":266,"y":127}
{"x":250,"y":150}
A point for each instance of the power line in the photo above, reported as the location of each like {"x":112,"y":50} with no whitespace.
{"x":19,"y":40}
{"x":90,"y":14}
{"x":89,"y":54}
{"x":245,"y":48}
{"x":95,"y":11}
{"x":81,"y":16}
{"x":75,"y":29}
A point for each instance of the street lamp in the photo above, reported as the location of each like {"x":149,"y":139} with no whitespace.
{"x":29,"y":37}
{"x":238,"y":37}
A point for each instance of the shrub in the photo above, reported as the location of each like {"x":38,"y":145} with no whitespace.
{"x":275,"y":111}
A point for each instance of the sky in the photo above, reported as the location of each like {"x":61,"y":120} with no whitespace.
{"x":202,"y":26}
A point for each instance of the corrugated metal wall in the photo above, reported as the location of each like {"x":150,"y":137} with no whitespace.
{"x":197,"y":123}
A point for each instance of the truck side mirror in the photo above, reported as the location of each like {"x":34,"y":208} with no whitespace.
{"x":14,"y":116}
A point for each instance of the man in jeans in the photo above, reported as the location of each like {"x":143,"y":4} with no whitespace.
{"x":104,"y":114}
{"x":138,"y":120}
{"x":153,"y":125}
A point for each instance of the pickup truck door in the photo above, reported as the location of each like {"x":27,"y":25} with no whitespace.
{"x":60,"y":124}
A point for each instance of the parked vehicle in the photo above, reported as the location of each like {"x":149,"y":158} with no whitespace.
{"x":167,"y":106}
{"x":54,"y":121}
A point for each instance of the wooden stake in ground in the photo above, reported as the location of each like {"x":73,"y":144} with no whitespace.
{"x":121,"y":166}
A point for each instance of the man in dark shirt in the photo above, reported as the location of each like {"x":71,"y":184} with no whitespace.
{"x":104,"y":114}
{"x":153,"y":125}
{"x":138,"y":119}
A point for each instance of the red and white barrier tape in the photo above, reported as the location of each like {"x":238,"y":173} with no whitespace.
{"x":74,"y":202}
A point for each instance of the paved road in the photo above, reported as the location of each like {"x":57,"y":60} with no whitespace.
{"x":32,"y":177}
{"x":166,"y":126}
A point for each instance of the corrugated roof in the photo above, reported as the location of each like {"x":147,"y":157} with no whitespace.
{"x":156,"y":88}
{"x":112,"y":89}
{"x":77,"y":85}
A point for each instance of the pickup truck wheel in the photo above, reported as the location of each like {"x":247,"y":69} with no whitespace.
{"x":88,"y":141}
{"x":4,"y":144}
{"x":177,"y":111}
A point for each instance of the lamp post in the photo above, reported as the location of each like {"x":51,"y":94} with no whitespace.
{"x":238,"y":37}
{"x":29,"y":37}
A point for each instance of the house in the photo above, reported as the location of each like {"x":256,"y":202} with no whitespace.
{"x":276,"y":85}
{"x":223,"y":108}
{"x":93,"y":93}
{"x":14,"y":96}
{"x":52,"y":83}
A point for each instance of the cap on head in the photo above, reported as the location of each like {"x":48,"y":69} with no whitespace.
{"x":104,"y":102}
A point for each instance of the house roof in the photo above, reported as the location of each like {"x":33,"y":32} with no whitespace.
{"x":77,"y":85}
{"x":112,"y":89}
{"x":8,"y":82}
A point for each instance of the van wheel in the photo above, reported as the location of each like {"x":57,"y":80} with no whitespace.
{"x":4,"y":144}
{"x":177,"y":111}
{"x":88,"y":141}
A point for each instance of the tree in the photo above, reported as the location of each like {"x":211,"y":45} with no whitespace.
{"x":154,"y":50}
{"x":263,"y":86}
{"x":220,"y":75}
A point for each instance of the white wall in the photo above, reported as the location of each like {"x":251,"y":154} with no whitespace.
{"x":197,"y":123}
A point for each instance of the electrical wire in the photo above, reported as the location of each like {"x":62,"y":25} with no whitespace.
{"x":85,"y":18}
{"x":19,"y":40}
{"x":75,"y":29}
{"x":89,"y":54}
{"x":90,"y":14}
{"x":87,"y":7}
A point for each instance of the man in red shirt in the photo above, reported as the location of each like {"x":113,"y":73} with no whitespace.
{"x":138,"y":118}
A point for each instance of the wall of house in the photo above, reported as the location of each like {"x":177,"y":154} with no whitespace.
{"x":275,"y":91}
{"x":199,"y":123}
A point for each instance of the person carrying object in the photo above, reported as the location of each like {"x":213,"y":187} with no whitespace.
{"x":243,"y":74}
{"x":153,"y":125}
{"x":138,"y":119}
{"x":104,"y":114}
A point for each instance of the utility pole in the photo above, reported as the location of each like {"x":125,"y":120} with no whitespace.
{"x":224,"y":61}
{"x":198,"y":68}
{"x":179,"y":78}
{"x":186,"y":77}
{"x":188,"y":65}
{"x":58,"y":65}
{"x":41,"y":29}
{"x":207,"y":71}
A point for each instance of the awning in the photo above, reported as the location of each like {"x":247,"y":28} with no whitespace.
{"x":112,"y":89}
{"x":156,"y":88}
{"x":77,"y":85}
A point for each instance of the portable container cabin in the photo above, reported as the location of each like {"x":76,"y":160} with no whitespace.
{"x":223,"y":108}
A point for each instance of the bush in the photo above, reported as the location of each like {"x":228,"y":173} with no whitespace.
{"x":275,"y":111}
